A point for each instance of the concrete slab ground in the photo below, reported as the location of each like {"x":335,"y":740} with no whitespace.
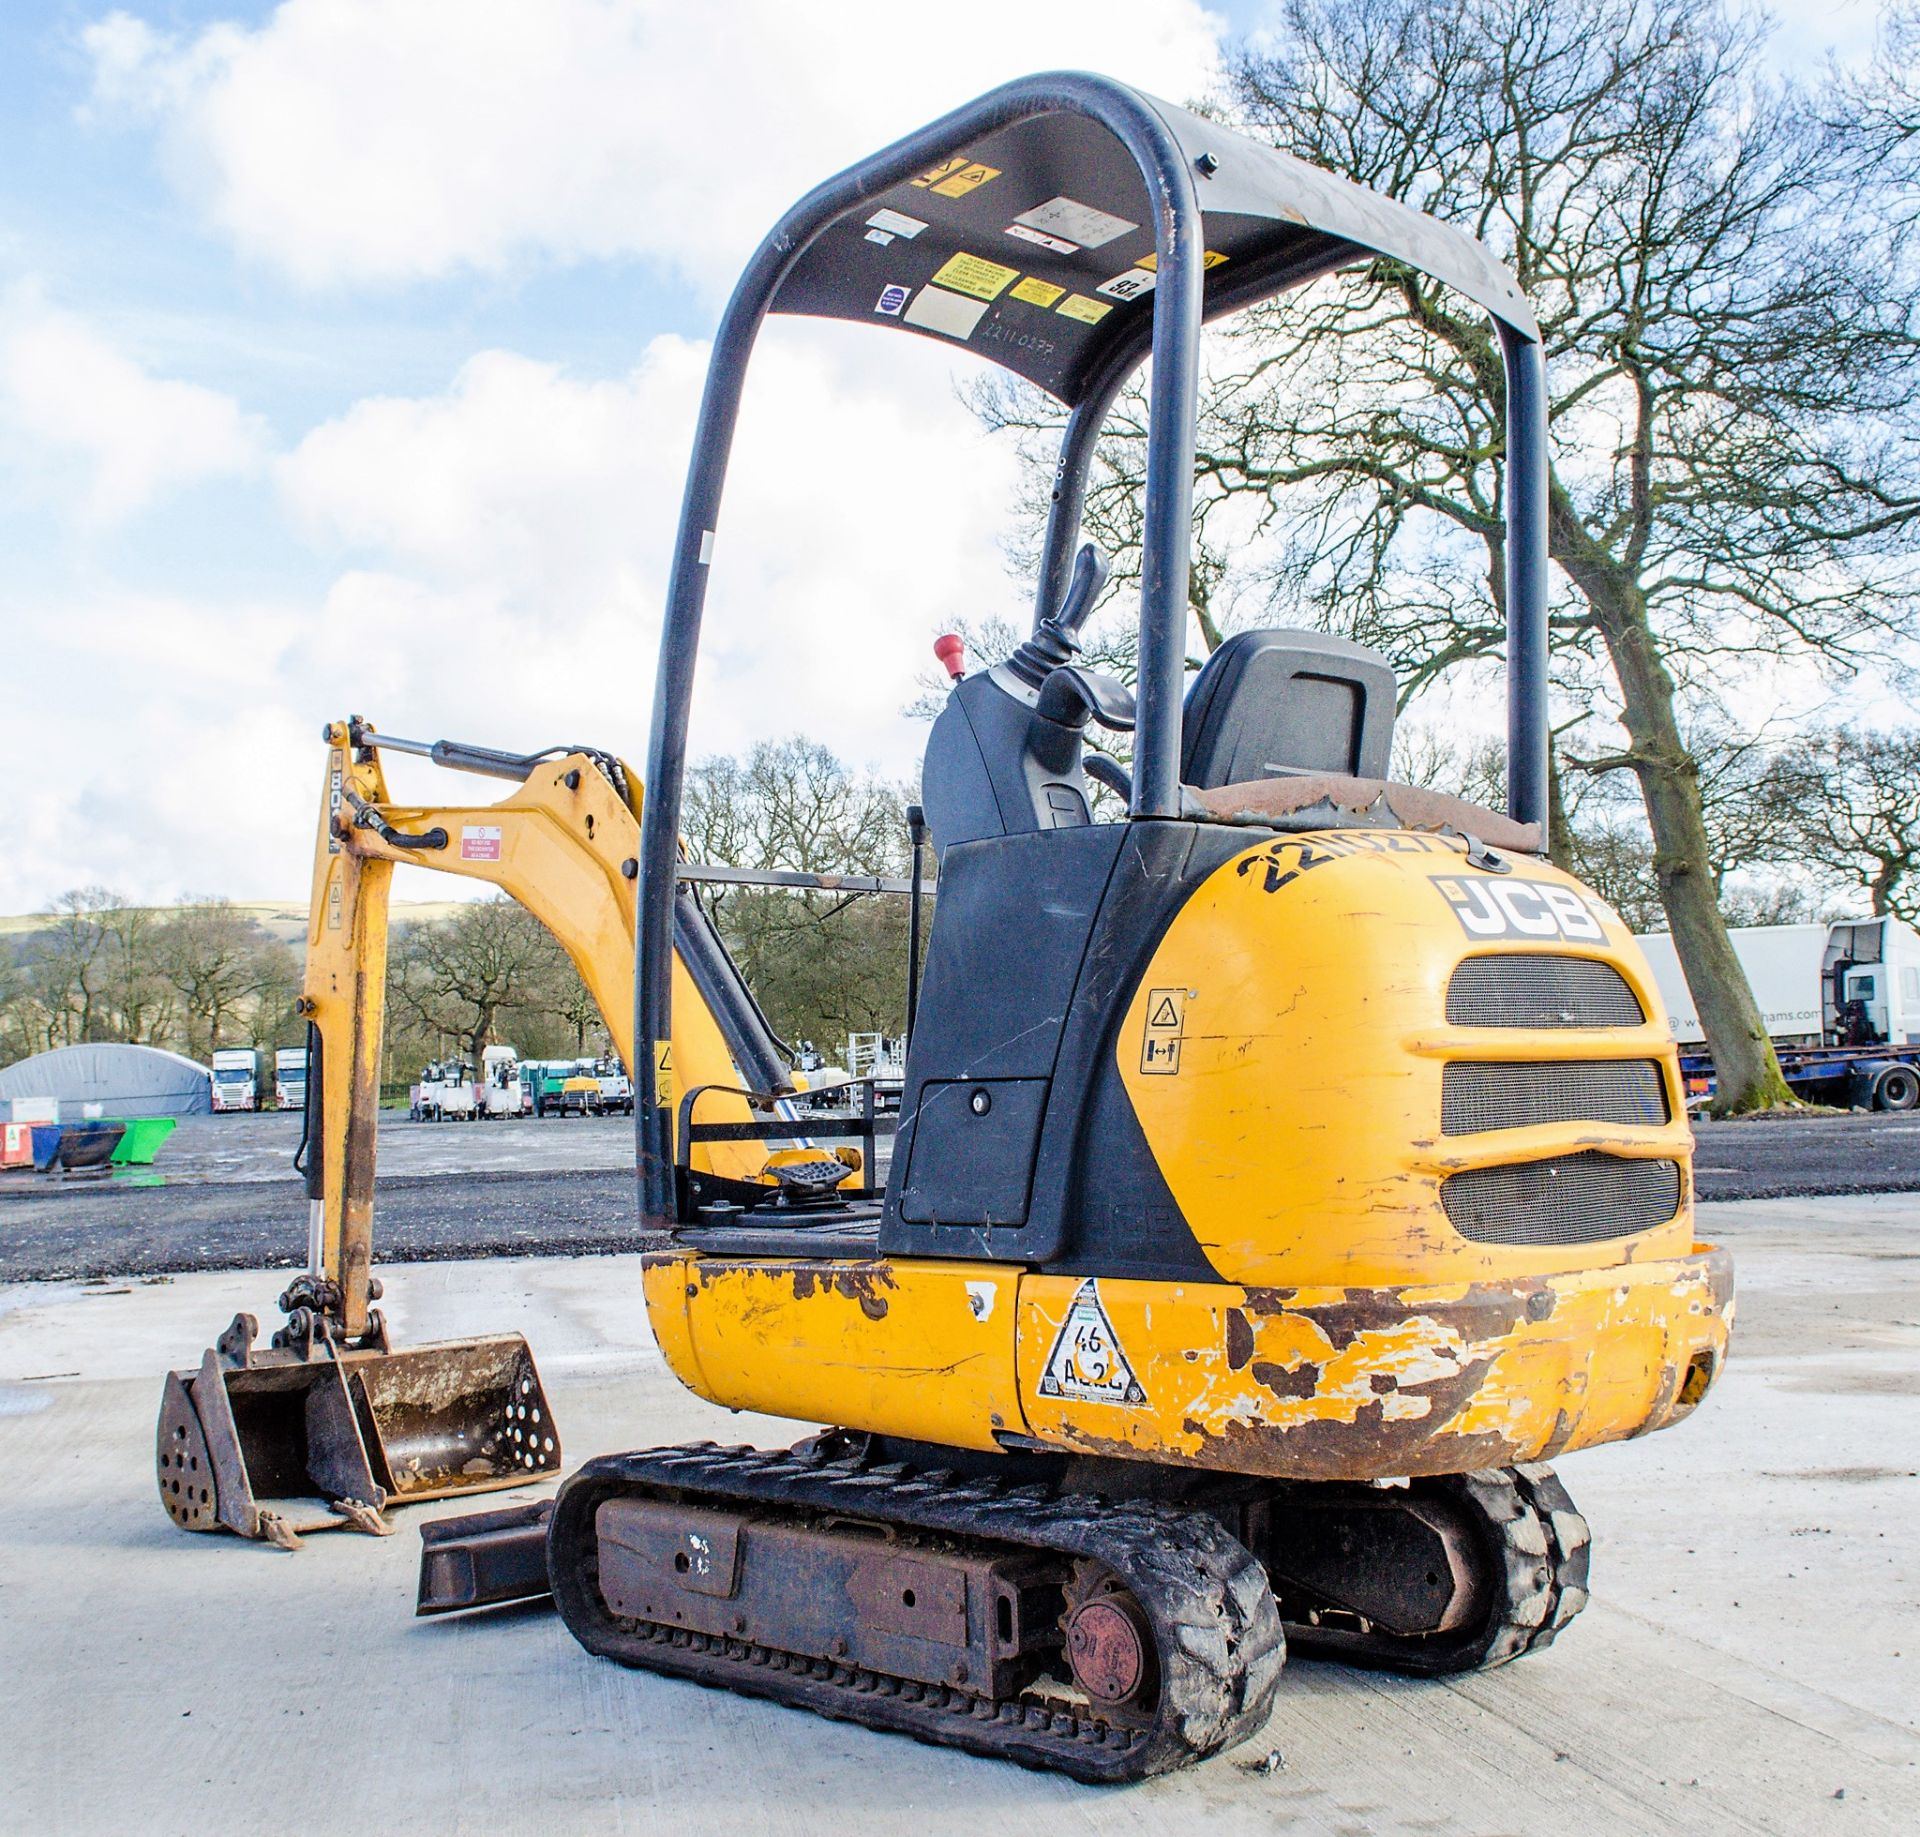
{"x":1748,"y":1663}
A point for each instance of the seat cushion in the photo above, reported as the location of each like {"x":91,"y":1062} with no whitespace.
{"x":1330,"y":800}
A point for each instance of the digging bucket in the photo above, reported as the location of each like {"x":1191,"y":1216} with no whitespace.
{"x":271,"y":1444}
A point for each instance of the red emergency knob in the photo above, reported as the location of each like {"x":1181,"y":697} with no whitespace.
{"x":951,"y":649}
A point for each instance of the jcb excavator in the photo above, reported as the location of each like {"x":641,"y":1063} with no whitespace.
{"x":1283,"y":1173}
{"x":329,"y":1424}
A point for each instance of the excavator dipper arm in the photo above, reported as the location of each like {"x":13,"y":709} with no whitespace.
{"x":329,"y":1424}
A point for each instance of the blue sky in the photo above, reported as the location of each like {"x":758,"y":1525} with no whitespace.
{"x":348,"y":351}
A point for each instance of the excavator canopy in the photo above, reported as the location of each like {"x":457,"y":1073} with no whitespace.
{"x":1066,"y":227}
{"x":1033,"y":244}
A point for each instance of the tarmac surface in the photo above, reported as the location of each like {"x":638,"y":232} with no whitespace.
{"x":1748,"y":1663}
{"x":222,"y":1194}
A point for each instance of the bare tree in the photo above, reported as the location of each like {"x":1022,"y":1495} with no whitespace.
{"x":1853,"y":801}
{"x":1733,"y":362}
{"x":69,"y":965}
{"x":232,"y":980}
{"x":821,"y":964}
{"x":1875,"y":114}
{"x":459,"y":977}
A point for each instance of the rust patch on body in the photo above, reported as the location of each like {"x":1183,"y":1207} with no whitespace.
{"x":1239,"y":1340}
{"x":856,"y":1282}
{"x":1283,"y":1381}
{"x":1482,"y":1313}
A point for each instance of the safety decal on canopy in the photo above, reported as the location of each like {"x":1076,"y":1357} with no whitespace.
{"x":1151,"y":262}
{"x":954,"y":178}
{"x":1087,"y":1363}
{"x":1037,"y":292}
{"x":1075,"y":222}
{"x":1128,"y":286}
{"x":1078,"y":306}
{"x":934,"y":309}
{"x":892,"y":300}
{"x":896,"y":223}
{"x":973,"y":274}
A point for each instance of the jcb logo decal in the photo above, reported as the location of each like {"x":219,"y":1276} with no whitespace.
{"x":1520,"y":909}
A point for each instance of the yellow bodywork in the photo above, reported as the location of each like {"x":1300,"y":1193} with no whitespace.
{"x":1284,"y":1055}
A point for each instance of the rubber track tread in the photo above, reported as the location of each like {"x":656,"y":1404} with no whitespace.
{"x":1536,"y":1547}
{"x":1216,"y":1627}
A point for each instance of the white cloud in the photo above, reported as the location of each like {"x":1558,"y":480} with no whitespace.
{"x":172,"y":750}
{"x":389,"y":140}
{"x":68,"y":398}
{"x":517,"y":529}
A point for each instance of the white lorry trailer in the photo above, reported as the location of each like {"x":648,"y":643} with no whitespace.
{"x":238,"y":1077}
{"x":1841,"y":1003}
{"x":290,"y":1078}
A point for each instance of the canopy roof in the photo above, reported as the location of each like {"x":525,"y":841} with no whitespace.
{"x":1033,"y":244}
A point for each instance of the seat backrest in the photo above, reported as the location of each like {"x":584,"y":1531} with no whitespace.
{"x":1268,"y":704}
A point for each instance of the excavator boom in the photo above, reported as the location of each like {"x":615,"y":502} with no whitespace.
{"x":328,"y":1423}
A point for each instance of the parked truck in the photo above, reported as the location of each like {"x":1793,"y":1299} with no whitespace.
{"x":239,"y":1078}
{"x":1841,"y":1003}
{"x":290,"y":1078}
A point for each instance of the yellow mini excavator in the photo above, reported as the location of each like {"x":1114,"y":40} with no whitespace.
{"x":328,"y":1423}
{"x":1283,"y":1172}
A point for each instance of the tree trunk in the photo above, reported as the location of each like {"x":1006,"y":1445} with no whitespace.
{"x":477,"y":1049}
{"x":1745,"y":1064}
{"x":1559,"y":831}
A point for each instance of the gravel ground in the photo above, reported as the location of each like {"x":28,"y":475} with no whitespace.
{"x":221,"y":1196}
{"x":1798,"y":1157}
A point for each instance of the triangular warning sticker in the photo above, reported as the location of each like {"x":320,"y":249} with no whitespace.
{"x":1165,"y":1014}
{"x":1087,"y":1362}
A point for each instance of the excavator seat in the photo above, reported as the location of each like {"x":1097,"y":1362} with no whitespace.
{"x":1270,"y":704}
{"x":1294,"y":729}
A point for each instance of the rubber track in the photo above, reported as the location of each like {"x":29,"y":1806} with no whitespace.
{"x":1216,"y":1626}
{"x":1537,"y":1546}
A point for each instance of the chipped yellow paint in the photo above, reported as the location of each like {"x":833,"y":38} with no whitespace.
{"x":1284,"y":1051}
{"x":923,"y":1349}
{"x":1301,"y":1133}
{"x":1363,"y":1383}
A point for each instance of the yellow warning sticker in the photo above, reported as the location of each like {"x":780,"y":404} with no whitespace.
{"x":663,"y":1073}
{"x":1078,"y":306}
{"x":1166,"y":1021}
{"x":1037,"y":293}
{"x":972,"y":274}
{"x":954,"y":178}
{"x":1149,"y":262}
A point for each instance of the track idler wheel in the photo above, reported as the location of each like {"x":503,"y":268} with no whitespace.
{"x":1460,"y":1572}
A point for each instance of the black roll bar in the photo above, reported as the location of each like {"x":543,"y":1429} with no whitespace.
{"x":1173,"y":341}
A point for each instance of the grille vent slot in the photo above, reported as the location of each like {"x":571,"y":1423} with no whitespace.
{"x":1540,"y":991}
{"x":1516,"y":1094}
{"x":1571,"y":1199}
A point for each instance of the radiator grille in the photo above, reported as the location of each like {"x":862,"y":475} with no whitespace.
{"x":1515,"y":1094}
{"x":1572,"y":1199}
{"x":1540,"y":991}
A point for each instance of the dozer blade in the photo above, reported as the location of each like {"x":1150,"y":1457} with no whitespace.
{"x":276,"y":1443}
{"x":482,"y":1559}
